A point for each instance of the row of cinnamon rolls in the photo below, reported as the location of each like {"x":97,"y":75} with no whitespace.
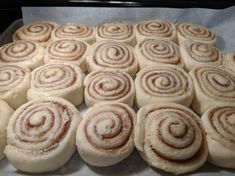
{"x":45,"y":32}
{"x":202,"y":87}
{"x":43,"y":134}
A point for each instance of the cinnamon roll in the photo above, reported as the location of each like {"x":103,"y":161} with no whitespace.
{"x":57,"y":80}
{"x":163,"y":84}
{"x":197,"y":53}
{"x":152,"y":52}
{"x":116,"y":31}
{"x":105,"y":134}
{"x":155,"y":29}
{"x":41,"y":135}
{"x":219,"y":124}
{"x":22,"y":52}
{"x":74,"y":31}
{"x":107,"y":85}
{"x":14,"y":84}
{"x":5,"y":114}
{"x":112,"y":55}
{"x":229,"y":62}
{"x":170,"y":137}
{"x":195,"y":32}
{"x":39,"y":31}
{"x":67,"y":51}
{"x":213,"y":86}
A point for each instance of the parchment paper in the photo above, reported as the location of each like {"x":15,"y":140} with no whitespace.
{"x":220,"y":21}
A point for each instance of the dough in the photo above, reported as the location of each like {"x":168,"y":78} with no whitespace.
{"x":163,"y":84}
{"x":41,"y":135}
{"x":57,"y":80}
{"x":170,"y":137}
{"x":107,"y":85}
{"x":153,"y":52}
{"x":219,"y":125}
{"x":38,"y":31}
{"x":22,"y":52}
{"x":195,"y":32}
{"x":116,"y":31}
{"x":105,"y":134}
{"x":67,"y":51}
{"x":81,"y":32}
{"x":5,"y":114}
{"x":14,"y":84}
{"x":197,"y":53}
{"x":213,"y":86}
{"x":155,"y":29}
{"x":112,"y":55}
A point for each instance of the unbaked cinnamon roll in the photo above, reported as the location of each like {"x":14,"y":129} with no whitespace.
{"x":67,"y":51}
{"x":155,"y":29}
{"x":39,"y":31}
{"x":163,"y":84}
{"x":112,"y":55}
{"x":170,"y":137}
{"x":213,"y":86}
{"x":219,"y":124}
{"x":195,"y":32}
{"x":22,"y":52}
{"x":229,"y":62}
{"x":197,"y":53}
{"x":41,"y":135}
{"x":116,"y":31}
{"x":57,"y":80}
{"x":153,"y":52}
{"x":5,"y":114}
{"x":74,"y":31}
{"x":105,"y":134}
{"x":107,"y":85}
{"x":14,"y":84}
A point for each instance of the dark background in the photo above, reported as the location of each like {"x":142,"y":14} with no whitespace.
{"x":10,"y":10}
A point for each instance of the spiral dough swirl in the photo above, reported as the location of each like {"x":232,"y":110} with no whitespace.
{"x":195,"y":32}
{"x":222,"y":123}
{"x":215,"y":82}
{"x":52,"y":77}
{"x":108,"y":86}
{"x":11,"y":76}
{"x":37,"y":31}
{"x":118,"y":118}
{"x":115,"y":31}
{"x":157,"y":28}
{"x":158,"y":51}
{"x":36,"y":122}
{"x":72,"y":31}
{"x":105,"y":135}
{"x":171,"y":138}
{"x":66,"y":50}
{"x":113,"y":55}
{"x":163,"y":82}
{"x":202,"y":52}
{"x":18,"y":52}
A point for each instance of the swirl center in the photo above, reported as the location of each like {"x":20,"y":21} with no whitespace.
{"x":37,"y":120}
{"x":109,"y":84}
{"x":113,"y":53}
{"x":231,"y":119}
{"x":106,"y":128}
{"x":221,"y":80}
{"x":163,"y":81}
{"x":178,"y":129}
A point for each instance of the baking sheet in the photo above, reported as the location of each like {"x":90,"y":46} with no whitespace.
{"x":221,"y":21}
